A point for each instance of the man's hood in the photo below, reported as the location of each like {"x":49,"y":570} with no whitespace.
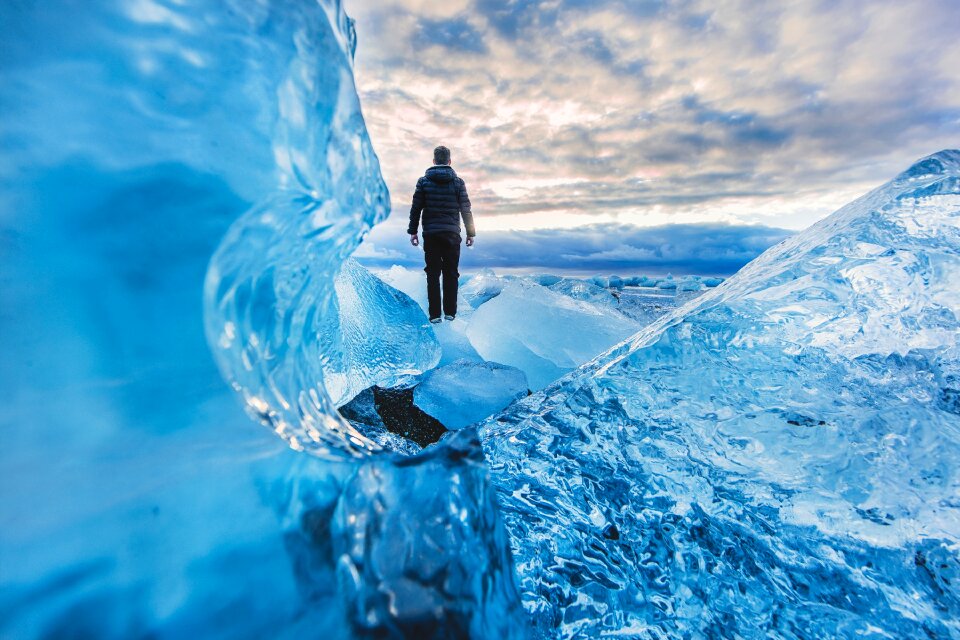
{"x":441,"y":173}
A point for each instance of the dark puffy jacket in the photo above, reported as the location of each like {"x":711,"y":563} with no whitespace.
{"x":441,"y":197}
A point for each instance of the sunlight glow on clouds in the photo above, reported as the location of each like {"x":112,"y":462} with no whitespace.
{"x":645,"y":112}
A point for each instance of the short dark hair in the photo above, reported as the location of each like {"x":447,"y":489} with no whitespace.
{"x":441,"y":155}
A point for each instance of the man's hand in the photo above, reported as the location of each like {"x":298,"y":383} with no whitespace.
{"x":469,"y":241}
{"x":414,"y":240}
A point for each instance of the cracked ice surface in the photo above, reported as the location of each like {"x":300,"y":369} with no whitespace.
{"x":776,"y":458}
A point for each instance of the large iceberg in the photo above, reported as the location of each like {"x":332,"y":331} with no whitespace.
{"x":777,"y":458}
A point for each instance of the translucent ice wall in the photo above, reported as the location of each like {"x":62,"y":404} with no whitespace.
{"x":135,"y":498}
{"x":778,"y":458}
{"x":271,"y":307}
{"x":139,"y":139}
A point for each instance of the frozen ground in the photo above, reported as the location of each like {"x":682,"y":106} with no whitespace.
{"x":546,"y":324}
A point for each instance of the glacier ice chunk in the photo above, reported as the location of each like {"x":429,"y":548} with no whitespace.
{"x":776,"y":458}
{"x":667,"y":283}
{"x":543,"y":332}
{"x":545,"y":279}
{"x":583,"y":290}
{"x":483,"y":286}
{"x":382,"y":335}
{"x":411,"y":282}
{"x":691,"y":283}
{"x":454,"y":344}
{"x":465,"y":392}
{"x":420,"y":552}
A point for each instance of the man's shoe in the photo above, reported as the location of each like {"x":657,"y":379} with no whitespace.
{"x":449,"y":317}
{"x":435,"y":321}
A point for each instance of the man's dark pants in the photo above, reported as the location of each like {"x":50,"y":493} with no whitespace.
{"x":442,"y":254}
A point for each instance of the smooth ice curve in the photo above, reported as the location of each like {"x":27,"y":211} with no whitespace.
{"x":295,"y":327}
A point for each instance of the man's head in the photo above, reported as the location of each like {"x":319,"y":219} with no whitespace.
{"x":441,"y":155}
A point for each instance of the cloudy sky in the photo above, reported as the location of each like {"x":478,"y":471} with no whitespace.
{"x":647,"y":135}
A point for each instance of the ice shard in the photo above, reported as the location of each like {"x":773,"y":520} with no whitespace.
{"x":777,"y":458}
{"x":465,"y":392}
{"x":380,"y":335}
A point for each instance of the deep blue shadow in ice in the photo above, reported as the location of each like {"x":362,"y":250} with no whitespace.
{"x":137,"y":498}
{"x":130,"y":249}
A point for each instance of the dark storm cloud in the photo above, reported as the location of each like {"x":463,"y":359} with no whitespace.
{"x":705,"y":249}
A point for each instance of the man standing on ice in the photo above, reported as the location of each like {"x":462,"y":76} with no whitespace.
{"x":441,"y":198}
